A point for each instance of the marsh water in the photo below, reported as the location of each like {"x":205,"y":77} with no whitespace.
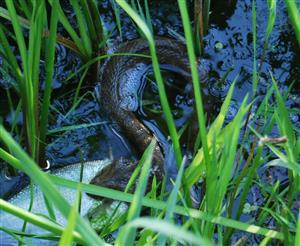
{"x":228,"y":46}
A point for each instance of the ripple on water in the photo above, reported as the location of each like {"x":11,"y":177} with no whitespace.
{"x":218,"y":89}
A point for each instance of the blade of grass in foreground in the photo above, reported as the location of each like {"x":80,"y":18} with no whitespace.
{"x":294,"y":16}
{"x":127,"y":234}
{"x":196,"y":169}
{"x":169,"y":229}
{"x":49,"y":68}
{"x":26,"y":84}
{"x":82,"y":27}
{"x":195,"y":77}
{"x":156,"y":204}
{"x":37,"y":220}
{"x":172,"y":200}
{"x":286,"y":129}
{"x":31,"y":169}
{"x":217,"y":181}
{"x":254,"y":76}
{"x":64,"y":21}
{"x":161,"y":88}
{"x":297,"y":238}
{"x":67,"y":236}
{"x":15,"y":236}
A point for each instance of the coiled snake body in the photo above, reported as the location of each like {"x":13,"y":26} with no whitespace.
{"x":119,"y":89}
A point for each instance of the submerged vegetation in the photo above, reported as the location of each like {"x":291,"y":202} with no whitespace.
{"x":224,"y":167}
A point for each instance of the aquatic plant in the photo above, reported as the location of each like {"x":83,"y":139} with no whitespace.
{"x":27,"y":74}
{"x":42,"y":42}
{"x":201,"y":20}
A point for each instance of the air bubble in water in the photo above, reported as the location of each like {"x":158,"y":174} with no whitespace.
{"x":218,"y":89}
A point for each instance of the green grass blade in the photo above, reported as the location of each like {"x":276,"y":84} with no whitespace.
{"x":11,"y":58}
{"x":18,"y":32}
{"x":79,"y":86}
{"x":48,"y":188}
{"x":26,"y":8}
{"x":64,"y":21}
{"x":75,"y":127}
{"x":5,"y":14}
{"x":127,"y":235}
{"x":285,"y":124}
{"x":97,"y":22}
{"x":206,"y":15}
{"x":195,"y":77}
{"x":169,"y":229}
{"x":271,"y":19}
{"x":102,"y":57}
{"x":249,"y":179}
{"x":15,"y":236}
{"x":156,"y":204}
{"x":172,"y":200}
{"x":254,"y":74}
{"x":67,"y":236}
{"x":32,"y":81}
{"x":34,"y":46}
{"x":294,"y":14}
{"x":117,"y":16}
{"x":231,"y":140}
{"x":196,"y":169}
{"x":37,"y":220}
{"x":162,"y":92}
{"x":49,"y":68}
{"x":27,"y":90}
{"x":86,"y":42}
{"x":297,"y":238}
{"x":89,"y":23}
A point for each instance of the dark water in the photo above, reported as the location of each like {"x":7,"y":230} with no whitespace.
{"x":230,"y":26}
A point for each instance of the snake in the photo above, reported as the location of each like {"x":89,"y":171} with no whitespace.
{"x":120,"y":82}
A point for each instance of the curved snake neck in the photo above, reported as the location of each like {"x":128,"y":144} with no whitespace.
{"x":118,"y":90}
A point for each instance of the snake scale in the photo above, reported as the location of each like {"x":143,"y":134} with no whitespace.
{"x":119,"y":93}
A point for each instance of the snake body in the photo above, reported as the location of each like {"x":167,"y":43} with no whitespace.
{"x":119,"y":93}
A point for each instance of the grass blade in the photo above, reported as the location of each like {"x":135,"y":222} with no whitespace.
{"x":168,"y":229}
{"x":156,"y":204}
{"x":297,"y":238}
{"x":67,"y":236}
{"x":254,"y":74}
{"x":37,"y":220}
{"x":195,"y":77}
{"x":127,"y":235}
{"x":162,"y":92}
{"x":49,"y":68}
{"x":172,"y":200}
{"x":86,"y":42}
{"x":294,"y":14}
{"x":40,"y":178}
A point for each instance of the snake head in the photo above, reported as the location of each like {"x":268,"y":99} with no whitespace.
{"x":115,"y":175}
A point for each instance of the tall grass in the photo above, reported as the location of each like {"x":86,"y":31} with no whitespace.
{"x":23,"y":162}
{"x":41,"y":43}
{"x":89,"y":42}
{"x":217,"y":165}
{"x":28,"y":74}
{"x":201,"y":21}
{"x":162,"y":92}
{"x":293,"y":10}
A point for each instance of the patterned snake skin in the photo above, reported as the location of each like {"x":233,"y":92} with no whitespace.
{"x":119,"y":98}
